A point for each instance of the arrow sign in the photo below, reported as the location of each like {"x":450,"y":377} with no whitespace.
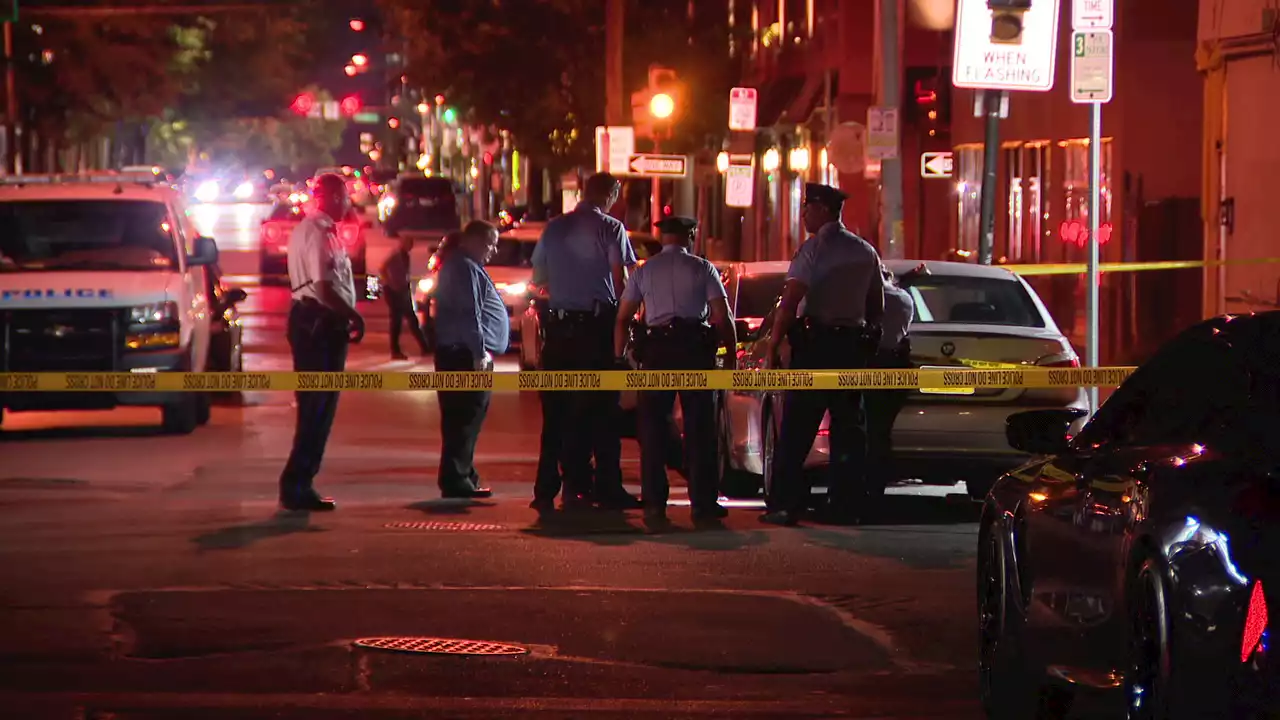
{"x":936,"y":164}
{"x":659,"y":165}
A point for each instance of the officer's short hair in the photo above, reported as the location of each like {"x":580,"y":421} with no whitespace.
{"x":478,"y":229}
{"x":600,"y":185}
{"x":331,"y":183}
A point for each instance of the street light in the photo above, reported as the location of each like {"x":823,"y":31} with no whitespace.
{"x":771,"y":160}
{"x":423,"y":108}
{"x":799,"y":159}
{"x":662,"y":106}
{"x":722,"y":162}
{"x":357,"y":24}
{"x":359,"y":59}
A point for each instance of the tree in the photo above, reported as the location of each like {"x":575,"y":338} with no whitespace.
{"x":534,"y":67}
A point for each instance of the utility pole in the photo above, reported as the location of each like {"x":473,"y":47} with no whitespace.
{"x":890,"y":167}
{"x":615,"y":32}
{"x":13,"y":139}
{"x":991,"y":103}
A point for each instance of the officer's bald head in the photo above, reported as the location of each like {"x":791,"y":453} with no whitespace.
{"x":601,"y":190}
{"x":331,"y":196}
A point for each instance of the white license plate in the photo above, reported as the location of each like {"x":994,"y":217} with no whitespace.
{"x":944,"y":391}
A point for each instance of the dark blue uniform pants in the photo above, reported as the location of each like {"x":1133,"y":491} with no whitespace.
{"x":883,"y":407}
{"x":678,"y":351}
{"x":318,"y":340}
{"x":802,"y":412}
{"x":462,"y":415}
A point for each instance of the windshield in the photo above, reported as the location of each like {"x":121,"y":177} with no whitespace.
{"x":972,"y":301}
{"x":86,"y":235}
{"x":758,"y":294}
{"x":286,"y":212}
{"x":513,"y":253}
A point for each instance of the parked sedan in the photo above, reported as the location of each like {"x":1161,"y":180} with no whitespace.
{"x":1139,"y":556}
{"x":966,"y":316}
{"x":273,"y":245}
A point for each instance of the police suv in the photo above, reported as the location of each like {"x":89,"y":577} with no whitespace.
{"x":102,"y":273}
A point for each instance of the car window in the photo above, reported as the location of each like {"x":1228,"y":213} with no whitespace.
{"x":513,"y":253}
{"x":88,"y":235}
{"x":425,"y":187}
{"x":972,"y":301}
{"x":758,"y":294}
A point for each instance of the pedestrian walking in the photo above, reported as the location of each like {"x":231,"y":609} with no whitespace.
{"x":883,"y":406}
{"x":830,"y":313}
{"x":397,"y":283}
{"x":323,"y":321}
{"x":683,"y":298}
{"x":472,"y":327}
{"x":582,"y":260}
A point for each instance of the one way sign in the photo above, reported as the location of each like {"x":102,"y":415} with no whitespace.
{"x":659,"y":165}
{"x":936,"y":164}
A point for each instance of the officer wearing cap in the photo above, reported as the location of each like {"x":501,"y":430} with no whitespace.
{"x":883,"y":406}
{"x":680,"y":293}
{"x":830,"y":313}
{"x":323,"y":321}
{"x":582,"y":261}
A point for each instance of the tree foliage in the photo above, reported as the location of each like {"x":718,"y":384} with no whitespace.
{"x":534,"y":67}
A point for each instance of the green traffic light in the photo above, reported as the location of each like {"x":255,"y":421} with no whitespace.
{"x":450,"y":115}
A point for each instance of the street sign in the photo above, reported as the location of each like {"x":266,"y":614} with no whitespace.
{"x":366,"y":118}
{"x":742,"y":109}
{"x":1093,"y":14}
{"x":659,"y":165}
{"x":987,"y":62}
{"x":8,"y":13}
{"x":614,"y":147}
{"x":1092,"y":66}
{"x":937,"y":164}
{"x":882,"y":133}
{"x":740,"y":186}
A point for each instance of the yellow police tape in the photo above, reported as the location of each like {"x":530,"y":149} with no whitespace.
{"x":927,"y":380}
{"x":1033,"y":269}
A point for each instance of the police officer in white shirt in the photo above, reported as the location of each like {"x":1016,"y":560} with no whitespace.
{"x":883,"y":406}
{"x":323,"y":320}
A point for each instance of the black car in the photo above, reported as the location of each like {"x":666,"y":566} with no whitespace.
{"x":226,"y":335}
{"x":1139,"y":557}
{"x":424,"y":205}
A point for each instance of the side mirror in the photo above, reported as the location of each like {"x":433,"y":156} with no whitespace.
{"x":1042,"y":432}
{"x":206,"y":252}
{"x":235,"y":296}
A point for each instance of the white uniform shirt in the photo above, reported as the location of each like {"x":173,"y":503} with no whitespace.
{"x":899,"y":311}
{"x":317,"y":254}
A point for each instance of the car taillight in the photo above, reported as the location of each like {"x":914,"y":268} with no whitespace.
{"x":1255,"y":624}
{"x":272,"y":233}
{"x":349,"y":234}
{"x":1059,"y":362}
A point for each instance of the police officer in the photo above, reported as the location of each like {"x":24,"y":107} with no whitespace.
{"x":830,"y":313}
{"x":322,"y":321}
{"x":582,"y":260}
{"x":883,"y":406}
{"x":471,"y":327}
{"x":680,"y":292}
{"x":396,"y":278}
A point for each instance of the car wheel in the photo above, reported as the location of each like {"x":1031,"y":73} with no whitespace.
{"x":1152,"y":682}
{"x":180,"y":418}
{"x":734,"y":483}
{"x":978,"y":489}
{"x":768,"y":431}
{"x":204,"y":409}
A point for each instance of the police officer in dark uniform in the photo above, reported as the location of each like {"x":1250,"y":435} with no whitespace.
{"x":680,"y":292}
{"x":830,"y":313}
{"x":582,"y":260}
{"x":883,"y":406}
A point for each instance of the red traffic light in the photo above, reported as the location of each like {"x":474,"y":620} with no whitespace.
{"x":359,"y":59}
{"x":357,"y":24}
{"x":488,"y":158}
{"x":926,"y":93}
{"x":351,"y":105}
{"x":393,"y":123}
{"x":303,"y":104}
{"x":439,"y":100}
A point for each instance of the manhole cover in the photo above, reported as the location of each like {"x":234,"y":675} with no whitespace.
{"x":440,"y":646}
{"x":445,"y":526}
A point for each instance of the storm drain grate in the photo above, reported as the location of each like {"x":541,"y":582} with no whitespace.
{"x":446,"y":526}
{"x":440,"y":646}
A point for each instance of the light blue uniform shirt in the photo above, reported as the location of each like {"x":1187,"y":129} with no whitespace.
{"x":674,"y":284}
{"x":839,"y":269}
{"x":574,"y":257}
{"x":899,"y":311}
{"x":469,"y":311}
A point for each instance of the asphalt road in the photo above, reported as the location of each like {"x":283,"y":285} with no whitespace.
{"x":146,"y":576}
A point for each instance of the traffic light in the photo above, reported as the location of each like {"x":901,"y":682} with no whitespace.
{"x":488,"y":158}
{"x":393,"y":123}
{"x":1006,"y":20}
{"x":450,"y":115}
{"x":357,"y":25}
{"x":303,"y":104}
{"x":351,"y":105}
{"x":928,"y":106}
{"x":360,"y":60}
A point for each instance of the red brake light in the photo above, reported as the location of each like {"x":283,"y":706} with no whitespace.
{"x":272,"y":232}
{"x":1255,"y":623}
{"x":1071,"y":363}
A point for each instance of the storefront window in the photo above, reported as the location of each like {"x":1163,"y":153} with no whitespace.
{"x":1036,"y":166}
{"x":1075,"y":187}
{"x":968,"y":196}
{"x":1014,"y":225}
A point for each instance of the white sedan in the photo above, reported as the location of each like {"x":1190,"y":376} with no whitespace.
{"x":966,"y":316}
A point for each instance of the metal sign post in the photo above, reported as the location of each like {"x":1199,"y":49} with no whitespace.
{"x":1091,"y":299}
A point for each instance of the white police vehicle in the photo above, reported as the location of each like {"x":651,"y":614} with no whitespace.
{"x":103,"y":273}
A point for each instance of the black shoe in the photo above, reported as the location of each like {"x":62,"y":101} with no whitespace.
{"x":786,"y":518}
{"x":397,"y":355}
{"x":620,"y":501}
{"x":709,"y":513}
{"x":575,"y":501}
{"x":313,"y":503}
{"x":543,"y":506}
{"x":656,"y":517}
{"x":466,"y":493}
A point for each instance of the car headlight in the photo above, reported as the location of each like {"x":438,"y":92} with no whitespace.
{"x":426,"y":285}
{"x":165,"y":313}
{"x":153,"y":327}
{"x":515,"y":289}
{"x":244,"y":191}
{"x":208,"y":191}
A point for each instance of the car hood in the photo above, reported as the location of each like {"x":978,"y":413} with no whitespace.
{"x":81,"y":289}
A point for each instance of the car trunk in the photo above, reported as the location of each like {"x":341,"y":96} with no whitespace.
{"x":956,"y":345}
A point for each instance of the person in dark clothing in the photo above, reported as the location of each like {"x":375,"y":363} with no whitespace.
{"x":397,"y":284}
{"x":472,"y":326}
{"x":323,"y":321}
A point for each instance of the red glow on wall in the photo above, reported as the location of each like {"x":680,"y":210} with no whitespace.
{"x":1077,"y":233}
